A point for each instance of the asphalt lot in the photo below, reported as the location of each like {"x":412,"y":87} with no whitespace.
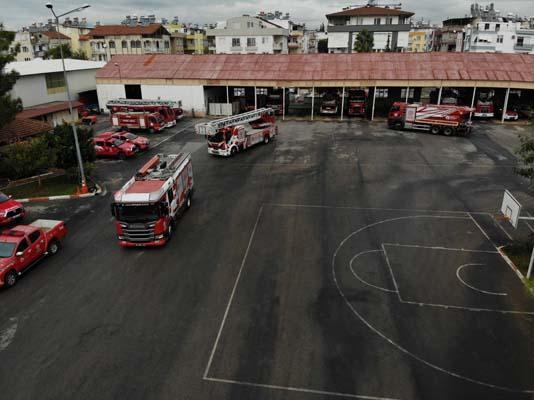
{"x":343,"y":260}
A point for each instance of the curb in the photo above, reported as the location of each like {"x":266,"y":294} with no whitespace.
{"x":515,"y":269}
{"x":98,"y":191}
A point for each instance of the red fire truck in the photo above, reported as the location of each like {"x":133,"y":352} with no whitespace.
{"x":147,"y":206}
{"x":152,"y":122}
{"x":227,"y":136}
{"x":448,"y":120}
{"x":484,"y":107}
{"x":170,"y":111}
{"x":357,"y":103}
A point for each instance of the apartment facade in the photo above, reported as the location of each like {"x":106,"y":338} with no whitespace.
{"x":25,"y":50}
{"x":421,"y":40}
{"x":390,"y":27}
{"x":498,"y":37}
{"x":105,"y":41}
{"x":248,"y":35}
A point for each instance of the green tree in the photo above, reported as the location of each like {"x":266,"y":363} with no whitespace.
{"x":79,"y":55}
{"x":55,"y":52}
{"x":62,"y":141}
{"x":526,"y":155}
{"x":364,"y":42}
{"x":322,"y":46}
{"x":25,"y":159}
{"x":8,"y":106}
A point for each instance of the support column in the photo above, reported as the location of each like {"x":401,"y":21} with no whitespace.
{"x":342,"y":102}
{"x":255,"y":98}
{"x":283,"y":103}
{"x":313,"y":101}
{"x":373,"y":109}
{"x":473,"y":102}
{"x":228,"y":99}
{"x":407,"y":93}
{"x":439,"y":95}
{"x":504,"y":109}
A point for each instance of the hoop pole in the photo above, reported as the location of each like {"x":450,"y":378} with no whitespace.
{"x":529,"y":272}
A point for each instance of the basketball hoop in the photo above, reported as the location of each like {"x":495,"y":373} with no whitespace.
{"x":501,"y":217}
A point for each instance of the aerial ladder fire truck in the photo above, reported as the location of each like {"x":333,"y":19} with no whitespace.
{"x":229,"y":135}
{"x":147,"y":206}
{"x":170,"y":111}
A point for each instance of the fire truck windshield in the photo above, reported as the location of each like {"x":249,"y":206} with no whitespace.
{"x":6,"y":249}
{"x":3,"y":198}
{"x":130,"y":136}
{"x":220,"y":137}
{"x":137,"y":213}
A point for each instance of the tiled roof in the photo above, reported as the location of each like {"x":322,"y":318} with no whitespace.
{"x":47,"y":108}
{"x":21,"y":128}
{"x":370,"y":11}
{"x":306,"y":67}
{"x":125,"y":30}
{"x":56,"y":35}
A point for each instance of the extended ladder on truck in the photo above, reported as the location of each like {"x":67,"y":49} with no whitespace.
{"x":210,"y":128}
{"x":140,"y":102}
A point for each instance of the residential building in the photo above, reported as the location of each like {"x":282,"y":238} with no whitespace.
{"x":390,"y":27}
{"x":109,"y":40}
{"x":422,"y":39}
{"x":44,"y":41}
{"x":75,"y":28}
{"x":25,"y":49}
{"x":452,"y":34}
{"x":248,"y":35}
{"x":42,"y":88}
{"x":178,"y":35}
{"x":196,"y":40}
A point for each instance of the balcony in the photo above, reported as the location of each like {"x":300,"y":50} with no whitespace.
{"x":236,"y":48}
{"x":293,"y":45}
{"x":524,"y":47}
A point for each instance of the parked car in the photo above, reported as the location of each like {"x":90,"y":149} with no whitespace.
{"x":10,"y":210}
{"x":140,"y":141}
{"x":23,"y":246}
{"x":115,"y":148}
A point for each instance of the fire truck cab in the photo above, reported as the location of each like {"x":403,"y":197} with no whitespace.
{"x":147,"y":206}
{"x":357,"y":103}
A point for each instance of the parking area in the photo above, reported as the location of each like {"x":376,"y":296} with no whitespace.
{"x":342,"y":260}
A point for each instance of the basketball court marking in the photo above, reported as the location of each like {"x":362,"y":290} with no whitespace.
{"x":363,"y":280}
{"x":472,"y":287}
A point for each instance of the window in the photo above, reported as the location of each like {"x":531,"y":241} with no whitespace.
{"x":167,"y":44}
{"x":239,"y":92}
{"x":55,"y":83}
{"x":410,"y":93}
{"x":500,"y":39}
{"x":486,"y":27}
{"x":383,"y":93}
{"x":264,"y":39}
{"x":377,"y":21}
{"x":22,"y":246}
{"x":111,"y":44}
{"x":170,"y":195}
{"x":520,"y":40}
{"x":124,"y":44}
{"x":497,"y":27}
{"x":236,"y":42}
{"x":133,"y":45}
{"x":251,"y":42}
{"x":24,"y":49}
{"x":34,"y":236}
{"x":147,"y":44}
{"x":250,"y":24}
{"x":389,"y":20}
{"x":261,"y":91}
{"x":138,"y":44}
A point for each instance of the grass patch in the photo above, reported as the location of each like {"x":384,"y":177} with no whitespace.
{"x":519,"y":253}
{"x":56,"y":186}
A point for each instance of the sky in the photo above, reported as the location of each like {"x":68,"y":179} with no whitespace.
{"x":16,"y":14}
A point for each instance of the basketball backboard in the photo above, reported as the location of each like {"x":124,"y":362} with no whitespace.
{"x":511,"y":208}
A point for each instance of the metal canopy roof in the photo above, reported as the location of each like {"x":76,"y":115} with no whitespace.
{"x":324,"y":67}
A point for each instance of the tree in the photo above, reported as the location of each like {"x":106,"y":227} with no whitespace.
{"x":79,"y":55}
{"x":54,"y":53}
{"x":8,"y":106}
{"x":25,"y":159}
{"x":526,"y":155}
{"x":322,"y":46}
{"x":364,"y":42}
{"x":62,"y":141}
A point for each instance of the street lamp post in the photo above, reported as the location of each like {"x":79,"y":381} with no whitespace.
{"x":73,"y":124}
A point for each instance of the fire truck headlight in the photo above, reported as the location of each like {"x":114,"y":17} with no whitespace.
{"x":158,"y":237}
{"x":124,"y":225}
{"x":153,"y":224}
{"x":121,"y":237}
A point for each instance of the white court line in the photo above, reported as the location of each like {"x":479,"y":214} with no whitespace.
{"x":363,"y":280}
{"x":483,"y":231}
{"x":465,"y":308}
{"x":170,"y":137}
{"x":232,"y":294}
{"x":416,"y":246}
{"x":528,"y":224}
{"x":391,"y":272}
{"x":297,"y":389}
{"x":389,"y":340}
{"x":472,"y":287}
{"x":502,"y":228}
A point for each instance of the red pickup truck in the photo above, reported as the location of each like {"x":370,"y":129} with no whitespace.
{"x":10,"y":210}
{"x":23,"y":246}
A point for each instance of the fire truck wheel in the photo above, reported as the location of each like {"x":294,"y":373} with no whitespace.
{"x":448,"y":131}
{"x":398,"y":125}
{"x":10,"y":279}
{"x":435,"y":130}
{"x":233,"y":152}
{"x":266,"y":139}
{"x":53,"y":247}
{"x":170,"y":230}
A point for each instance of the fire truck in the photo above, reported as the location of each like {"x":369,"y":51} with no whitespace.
{"x":151,"y":122}
{"x":227,"y":136}
{"x":484,"y":107}
{"x":329,"y":105}
{"x":147,"y":206}
{"x":357,"y":102}
{"x":170,"y":111}
{"x":448,"y":120}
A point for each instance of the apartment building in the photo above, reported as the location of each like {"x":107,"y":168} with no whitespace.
{"x":248,"y":35}
{"x":106,"y":41}
{"x":498,"y":37}
{"x":390,"y":27}
{"x":421,"y":39}
{"x":25,"y":46}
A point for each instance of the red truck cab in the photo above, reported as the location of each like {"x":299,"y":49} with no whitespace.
{"x":10,"y":210}
{"x":115,"y":148}
{"x":24,"y":245}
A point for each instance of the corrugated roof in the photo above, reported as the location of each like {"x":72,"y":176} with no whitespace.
{"x":37,"y":66}
{"x":125,"y":30}
{"x":370,"y":10}
{"x":358,"y":66}
{"x":47,"y":108}
{"x":21,"y":128}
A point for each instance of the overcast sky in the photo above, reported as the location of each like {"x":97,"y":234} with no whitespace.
{"x":23,"y":12}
